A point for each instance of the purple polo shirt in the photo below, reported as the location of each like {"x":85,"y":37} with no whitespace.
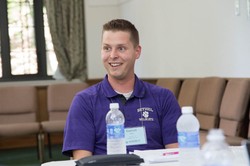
{"x":150,"y":106}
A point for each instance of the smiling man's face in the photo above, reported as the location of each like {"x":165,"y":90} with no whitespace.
{"x":119,"y":54}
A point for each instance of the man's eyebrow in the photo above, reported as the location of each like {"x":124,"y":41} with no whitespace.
{"x":121,"y":44}
{"x":117,"y":45}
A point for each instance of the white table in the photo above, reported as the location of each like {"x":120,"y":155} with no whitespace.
{"x":72,"y":163}
{"x":239,"y":152}
{"x":60,"y":163}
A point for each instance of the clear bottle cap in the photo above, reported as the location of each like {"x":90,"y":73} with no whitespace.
{"x":113,"y":105}
{"x":187,"y":110}
{"x":215,"y":134}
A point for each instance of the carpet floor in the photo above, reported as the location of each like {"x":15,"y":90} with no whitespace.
{"x":28,"y":156}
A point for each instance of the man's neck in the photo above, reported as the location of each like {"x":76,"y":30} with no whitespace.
{"x":122,"y":86}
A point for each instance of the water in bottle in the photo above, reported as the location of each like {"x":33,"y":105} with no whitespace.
{"x":216,"y":152}
{"x":188,"y":138}
{"x":115,"y":130}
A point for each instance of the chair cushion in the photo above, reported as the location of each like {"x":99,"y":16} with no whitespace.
{"x":234,"y":141}
{"x":17,"y":118}
{"x":208,"y":101}
{"x":173,"y":84}
{"x":60,"y":96}
{"x":207,"y":121}
{"x":230,"y":127}
{"x":188,"y":92}
{"x":235,"y":99}
{"x":19,"y":129}
{"x":19,"y":99}
{"x":53,"y":126}
{"x":58,"y":115}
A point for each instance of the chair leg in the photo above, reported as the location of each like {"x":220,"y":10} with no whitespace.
{"x":37,"y":146}
{"x":40,"y":139}
{"x":49,"y":145}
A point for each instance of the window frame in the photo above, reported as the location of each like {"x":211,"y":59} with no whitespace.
{"x":39,"y":42}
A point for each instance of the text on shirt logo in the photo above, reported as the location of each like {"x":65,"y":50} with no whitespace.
{"x":145,"y":112}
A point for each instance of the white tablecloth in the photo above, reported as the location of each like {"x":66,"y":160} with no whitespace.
{"x":239,"y":152}
{"x":72,"y":163}
{"x":60,"y":163}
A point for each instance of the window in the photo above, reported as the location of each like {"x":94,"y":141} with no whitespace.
{"x":23,"y":31}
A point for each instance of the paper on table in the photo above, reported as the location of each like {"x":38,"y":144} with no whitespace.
{"x":60,"y":163}
{"x":159,"y":155}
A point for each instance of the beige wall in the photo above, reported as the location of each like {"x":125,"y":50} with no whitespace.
{"x":180,"y":38}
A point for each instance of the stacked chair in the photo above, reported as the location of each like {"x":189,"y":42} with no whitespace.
{"x":234,"y":110}
{"x":173,"y":84}
{"x":208,"y":103}
{"x":18,"y":113}
{"x":188,"y":92}
{"x":217,"y":102}
{"x":59,"y":98}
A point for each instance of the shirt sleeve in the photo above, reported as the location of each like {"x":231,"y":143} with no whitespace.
{"x":79,"y":131}
{"x":171,"y":114}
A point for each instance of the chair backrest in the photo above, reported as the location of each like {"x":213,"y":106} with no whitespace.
{"x":188,"y":92}
{"x":233,"y":108}
{"x":208,"y":101}
{"x":173,"y":84}
{"x":59,"y":98}
{"x":18,"y":104}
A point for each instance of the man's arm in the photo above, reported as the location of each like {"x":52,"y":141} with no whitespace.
{"x":173,"y":145}
{"x":78,"y":154}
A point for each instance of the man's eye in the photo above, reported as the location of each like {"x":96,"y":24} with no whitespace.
{"x":122,"y":48}
{"x":106,"y":48}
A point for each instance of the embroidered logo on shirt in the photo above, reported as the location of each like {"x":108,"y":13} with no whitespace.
{"x":145,"y":113}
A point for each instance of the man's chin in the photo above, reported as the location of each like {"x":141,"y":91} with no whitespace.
{"x":116,"y":76}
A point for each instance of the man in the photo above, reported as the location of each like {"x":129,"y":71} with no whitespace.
{"x":147,"y":107}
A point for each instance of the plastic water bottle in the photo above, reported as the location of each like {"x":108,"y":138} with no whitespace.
{"x":116,"y":143}
{"x":188,"y":138}
{"x":216,"y":152}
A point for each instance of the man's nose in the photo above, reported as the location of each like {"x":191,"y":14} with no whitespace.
{"x":113,"y":54}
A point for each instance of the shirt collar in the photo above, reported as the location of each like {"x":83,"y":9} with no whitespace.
{"x":139,"y":88}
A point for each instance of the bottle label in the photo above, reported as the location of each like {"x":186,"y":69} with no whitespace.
{"x":115,"y":131}
{"x":188,"y":139}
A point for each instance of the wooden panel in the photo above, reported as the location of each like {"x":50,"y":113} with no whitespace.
{"x":42,"y":113}
{"x":27,"y":141}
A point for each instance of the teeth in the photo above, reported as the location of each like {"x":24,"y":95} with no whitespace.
{"x":114,"y":64}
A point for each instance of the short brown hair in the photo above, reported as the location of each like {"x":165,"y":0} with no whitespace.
{"x":123,"y":25}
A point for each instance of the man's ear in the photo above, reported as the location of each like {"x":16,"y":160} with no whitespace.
{"x":138,"y":51}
